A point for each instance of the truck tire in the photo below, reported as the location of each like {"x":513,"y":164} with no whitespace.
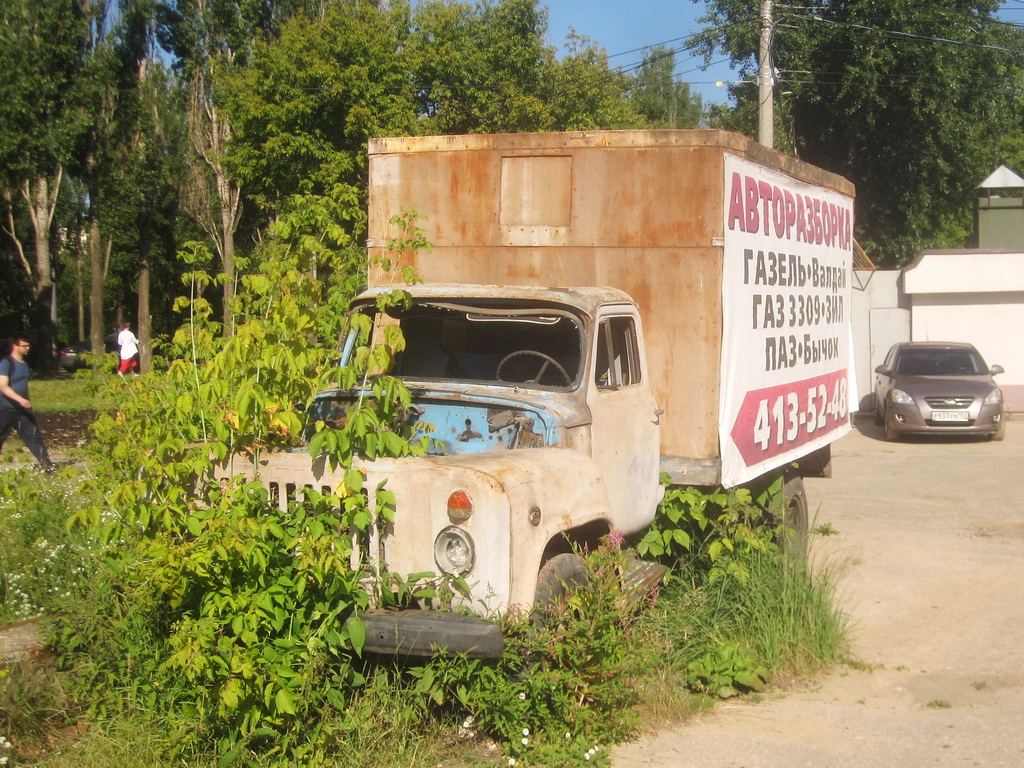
{"x":557,"y":578}
{"x":793,"y":527}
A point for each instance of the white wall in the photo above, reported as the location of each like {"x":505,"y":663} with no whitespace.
{"x":993,"y":322}
{"x":880,"y":319}
{"x":975,"y":296}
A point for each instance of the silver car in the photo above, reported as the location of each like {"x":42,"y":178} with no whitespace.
{"x":932,"y":387}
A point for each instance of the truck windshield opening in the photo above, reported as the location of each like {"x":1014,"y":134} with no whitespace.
{"x":494,"y":344}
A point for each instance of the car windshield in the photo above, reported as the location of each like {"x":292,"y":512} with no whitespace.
{"x":493,"y":342}
{"x":940,"y":362}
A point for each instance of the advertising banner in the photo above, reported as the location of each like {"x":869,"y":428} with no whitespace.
{"x":786,"y":347}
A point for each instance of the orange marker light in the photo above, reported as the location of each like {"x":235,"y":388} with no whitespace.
{"x":460,"y":507}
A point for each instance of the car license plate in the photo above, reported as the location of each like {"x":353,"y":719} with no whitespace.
{"x":950,"y":416}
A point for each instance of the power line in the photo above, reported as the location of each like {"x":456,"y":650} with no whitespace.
{"x":906,"y":35}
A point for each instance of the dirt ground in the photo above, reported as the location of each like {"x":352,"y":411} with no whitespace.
{"x":61,"y":430}
{"x":929,"y":563}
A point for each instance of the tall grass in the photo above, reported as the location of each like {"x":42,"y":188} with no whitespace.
{"x":774,"y":616}
{"x":42,"y":562}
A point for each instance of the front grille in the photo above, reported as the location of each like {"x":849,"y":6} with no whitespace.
{"x":948,"y":403}
{"x":368,"y":547}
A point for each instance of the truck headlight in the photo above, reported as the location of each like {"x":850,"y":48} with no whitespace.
{"x":453,"y":551}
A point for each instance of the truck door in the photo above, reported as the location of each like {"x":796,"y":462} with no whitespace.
{"x":625,"y":433}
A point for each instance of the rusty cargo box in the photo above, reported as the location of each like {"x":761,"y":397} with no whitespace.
{"x":648,"y":212}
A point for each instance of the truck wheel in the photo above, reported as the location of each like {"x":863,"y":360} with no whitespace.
{"x":557,"y":578}
{"x":793,"y":528}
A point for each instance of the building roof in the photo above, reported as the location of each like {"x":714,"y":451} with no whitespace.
{"x":861,"y":260}
{"x":1001,"y":178}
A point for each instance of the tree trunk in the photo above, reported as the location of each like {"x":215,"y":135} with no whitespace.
{"x":228,"y":262}
{"x":42,"y":201}
{"x":79,"y":278}
{"x":215,"y":200}
{"x":145,"y":322}
{"x":97,"y":332}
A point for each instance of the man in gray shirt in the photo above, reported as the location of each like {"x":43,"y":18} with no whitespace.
{"x":15,"y":407}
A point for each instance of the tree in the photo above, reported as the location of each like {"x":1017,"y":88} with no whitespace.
{"x":140,"y":185}
{"x":655,"y":93}
{"x":309,"y":100}
{"x":909,"y":101}
{"x":586,"y":94}
{"x":41,"y":46}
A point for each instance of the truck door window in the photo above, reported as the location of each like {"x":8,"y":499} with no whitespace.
{"x":617,"y":359}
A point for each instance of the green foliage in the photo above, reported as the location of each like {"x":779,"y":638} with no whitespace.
{"x":566,"y":685}
{"x":657,"y":96}
{"x":715,"y":526}
{"x":911,"y":102}
{"x":737,"y":631}
{"x":726,"y":671}
{"x":305,"y":107}
{"x":235,"y":617}
{"x":41,"y":562}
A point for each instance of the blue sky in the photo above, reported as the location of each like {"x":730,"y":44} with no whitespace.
{"x":622,"y":27}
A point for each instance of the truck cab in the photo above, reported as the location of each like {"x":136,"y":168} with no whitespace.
{"x":544,"y":436}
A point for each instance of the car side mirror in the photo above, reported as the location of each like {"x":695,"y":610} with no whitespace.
{"x":996,"y":369}
{"x":883,"y":369}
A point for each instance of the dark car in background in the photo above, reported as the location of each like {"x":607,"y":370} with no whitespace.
{"x":929,"y":387}
{"x":73,"y":356}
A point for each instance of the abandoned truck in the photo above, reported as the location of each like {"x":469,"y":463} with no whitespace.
{"x":597,"y":308}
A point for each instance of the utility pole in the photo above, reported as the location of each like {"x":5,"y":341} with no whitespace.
{"x":765,"y":110}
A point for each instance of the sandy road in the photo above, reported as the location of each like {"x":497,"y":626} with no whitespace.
{"x":929,"y":561}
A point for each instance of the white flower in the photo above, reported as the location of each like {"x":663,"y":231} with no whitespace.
{"x":525,"y":741}
{"x":526,"y":731}
{"x":522,"y":696}
{"x":568,"y":735}
{"x":511,"y":761}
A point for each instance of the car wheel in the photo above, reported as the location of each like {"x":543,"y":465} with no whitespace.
{"x":890,"y":433}
{"x":1000,"y":432}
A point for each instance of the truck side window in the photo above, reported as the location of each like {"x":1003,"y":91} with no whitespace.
{"x":617,"y":360}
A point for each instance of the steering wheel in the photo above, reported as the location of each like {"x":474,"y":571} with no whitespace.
{"x":547,"y":360}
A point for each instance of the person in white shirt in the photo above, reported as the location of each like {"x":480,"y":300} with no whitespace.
{"x":129,"y":350}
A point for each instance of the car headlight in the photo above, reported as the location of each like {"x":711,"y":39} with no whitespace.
{"x":453,"y":551}
{"x":901,"y":397}
{"x":995,"y":397}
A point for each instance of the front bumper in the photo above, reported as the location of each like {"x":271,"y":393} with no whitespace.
{"x":912,"y":420}
{"x":404,"y":633}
